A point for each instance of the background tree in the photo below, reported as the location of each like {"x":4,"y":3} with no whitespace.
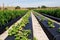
{"x":43,"y":6}
{"x":5,"y":8}
{"x":17,"y":7}
{"x":38,"y":6}
{"x":0,"y":8}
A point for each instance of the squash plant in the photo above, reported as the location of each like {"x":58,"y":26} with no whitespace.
{"x":23,"y":35}
{"x":51,"y":24}
{"x":18,"y":31}
{"x":42,"y":18}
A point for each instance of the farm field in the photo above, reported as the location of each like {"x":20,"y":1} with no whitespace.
{"x":50,"y":27}
{"x":26,"y":24}
{"x":29,"y":19}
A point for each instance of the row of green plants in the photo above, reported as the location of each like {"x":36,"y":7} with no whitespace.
{"x":17,"y":30}
{"x":52,"y":12}
{"x":8,"y":15}
{"x":49,"y":22}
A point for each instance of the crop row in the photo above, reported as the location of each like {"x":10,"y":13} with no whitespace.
{"x":52,"y":12}
{"x":8,"y":15}
{"x":51,"y":28}
{"x":50,"y":23}
{"x":17,"y":30}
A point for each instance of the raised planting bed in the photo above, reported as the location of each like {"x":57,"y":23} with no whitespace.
{"x":52,"y":29}
{"x":9,"y":17}
{"x":54,"y":18}
{"x":23,"y":30}
{"x":51,"y":13}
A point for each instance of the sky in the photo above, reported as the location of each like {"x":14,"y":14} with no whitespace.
{"x":30,"y":3}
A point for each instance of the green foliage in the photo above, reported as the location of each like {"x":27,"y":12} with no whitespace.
{"x":23,"y":35}
{"x":51,"y":24}
{"x":9,"y":15}
{"x":17,"y":30}
{"x":42,"y":18}
{"x":52,"y":12}
{"x":34,"y":38}
{"x":6,"y":28}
